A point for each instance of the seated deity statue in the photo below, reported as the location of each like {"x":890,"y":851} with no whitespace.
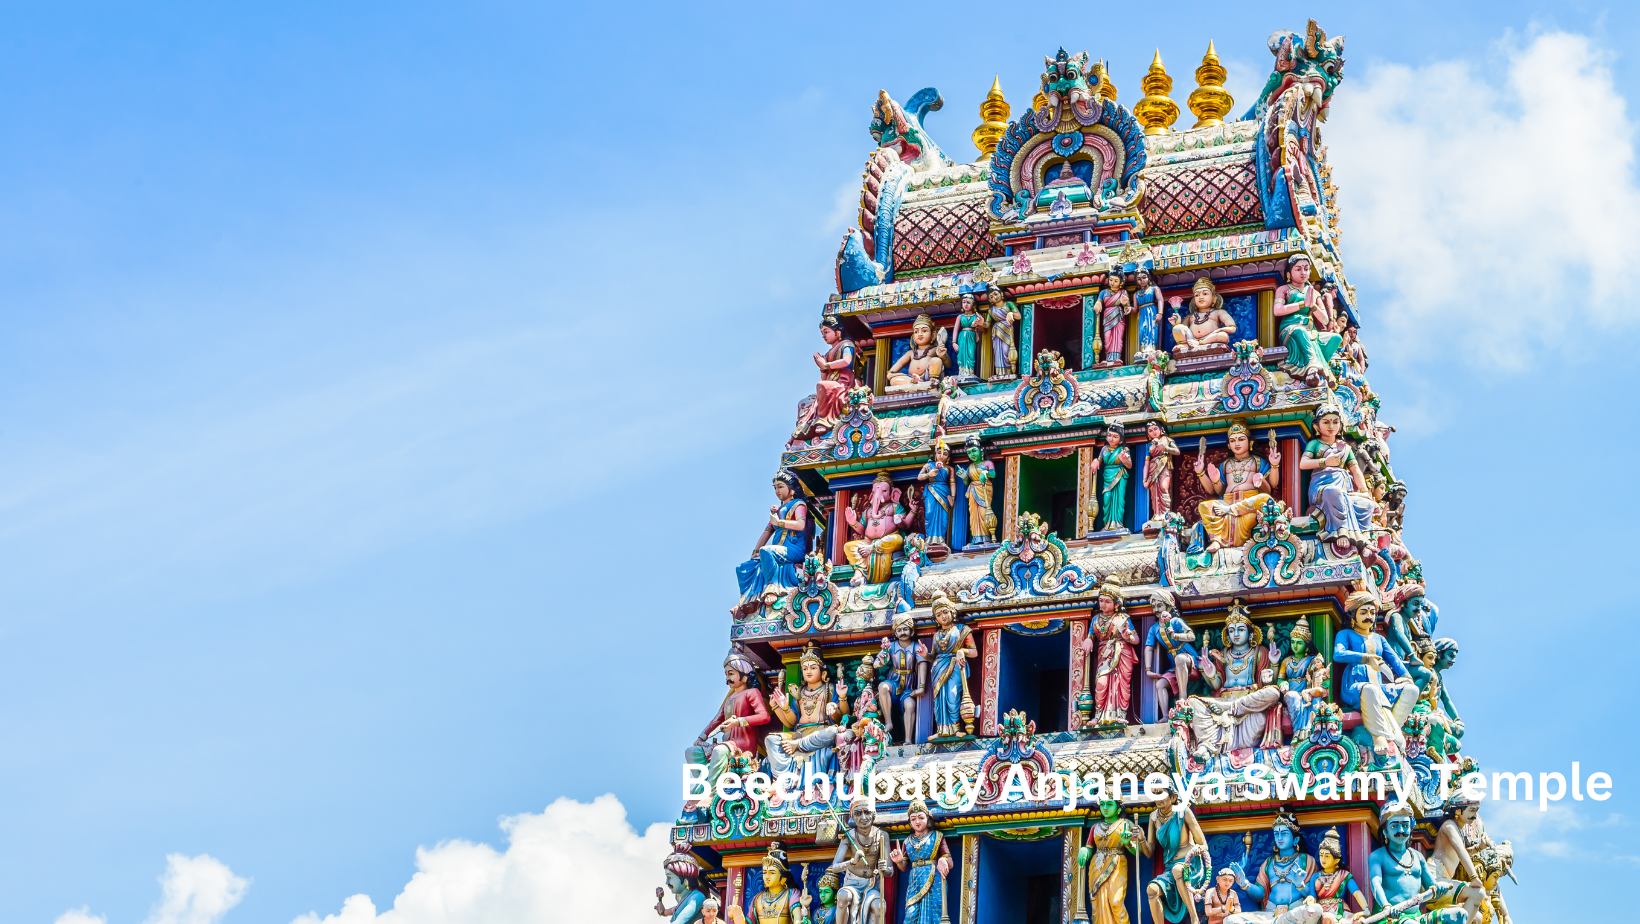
{"x":1240,"y":486}
{"x":1067,"y":186}
{"x":925,"y":362}
{"x":880,"y":524}
{"x":812,"y":713}
{"x":1401,"y":880}
{"x":1244,"y":711}
{"x":1209,"y":326}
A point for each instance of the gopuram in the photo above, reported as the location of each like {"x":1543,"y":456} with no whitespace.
{"x":1082,"y":593}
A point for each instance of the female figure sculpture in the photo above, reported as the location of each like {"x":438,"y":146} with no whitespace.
{"x":1209,"y":326}
{"x":969,"y":325}
{"x":928,"y":858}
{"x":862,"y":859}
{"x":925,"y":362}
{"x":1240,"y":487}
{"x":953,"y":646}
{"x":1114,"y":465}
{"x":1185,"y":860}
{"x":979,"y":476}
{"x":1147,"y":304}
{"x":1168,"y":644}
{"x":1113,"y":633}
{"x":779,"y":549}
{"x":836,"y":378}
{"x":1114,"y":307}
{"x":807,"y":749}
{"x":1338,"y":490}
{"x":1284,"y":877}
{"x":873,"y":556}
{"x":778,"y":903}
{"x":1104,"y":855}
{"x":1245,"y":708}
{"x":1375,"y":683}
{"x":939,"y":489}
{"x":1159,"y":469}
{"x":1002,"y":315}
{"x":1303,"y":679}
{"x":683,"y":880}
{"x":827,"y":912}
{"x":1333,"y":884}
{"x":1304,"y":321}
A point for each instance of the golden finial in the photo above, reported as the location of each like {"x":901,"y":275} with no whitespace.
{"x":1210,"y":101}
{"x":1106,"y":88}
{"x":993,"y":114}
{"x":1156,"y":111}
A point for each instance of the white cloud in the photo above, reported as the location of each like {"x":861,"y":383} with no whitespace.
{"x":197,"y":890}
{"x":1561,"y":831}
{"x":576,"y":861}
{"x":81,"y":915}
{"x":1502,"y":216}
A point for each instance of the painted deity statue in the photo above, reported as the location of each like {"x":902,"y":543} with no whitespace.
{"x":1105,"y":857}
{"x":1174,"y":833}
{"x":1115,"y":464}
{"x":1159,"y":469}
{"x":1147,"y":304}
{"x":1240,"y":487}
{"x":1209,"y":326}
{"x":1375,"y":682}
{"x":970,"y":327}
{"x":779,"y":902}
{"x":1170,"y":652}
{"x":862,"y":860}
{"x":1002,"y":316}
{"x":926,"y":859}
{"x":1451,"y":858}
{"x":1434,"y":657}
{"x":1401,"y":879}
{"x":711,"y":911}
{"x":737,"y":726}
{"x":880,"y":524}
{"x":925,"y":363}
{"x":1304,"y":326}
{"x":827,"y":912}
{"x":1244,"y":710}
{"x":779,"y":550}
{"x":1112,"y":636}
{"x":979,"y":476}
{"x":1114,"y":308}
{"x":1333,"y":884}
{"x":938,"y":478}
{"x":1221,"y":901}
{"x":867,"y":736}
{"x":689,"y":889}
{"x":1284,"y":877}
{"x":1338,"y":490}
{"x":1351,"y":354}
{"x":1414,"y":619}
{"x":906,"y":679}
{"x":837,"y":376}
{"x":811,"y":712}
{"x":953,"y":647}
{"x":1303,"y":678}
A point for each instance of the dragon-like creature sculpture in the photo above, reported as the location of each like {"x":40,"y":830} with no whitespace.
{"x":866,"y":256}
{"x":1290,"y":158}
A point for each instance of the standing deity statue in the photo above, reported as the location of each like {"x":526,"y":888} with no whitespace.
{"x":1445,"y":726}
{"x":1283,"y":878}
{"x":1115,"y":464}
{"x":812,"y":712}
{"x":1147,"y":304}
{"x":1304,"y":326}
{"x":880,"y":523}
{"x":938,"y":478}
{"x":1451,"y":858}
{"x":1158,"y":478}
{"x":1114,"y":308}
{"x":1375,"y":682}
{"x":1105,"y":858}
{"x":1414,"y":618}
{"x":970,"y":326}
{"x":1221,"y":901}
{"x":1174,"y":833}
{"x":928,"y":859}
{"x":862,"y":859}
{"x":737,"y":726}
{"x":779,"y":902}
{"x":689,"y":889}
{"x":1209,"y":326}
{"x":1333,"y":883}
{"x":1244,"y":710}
{"x":779,"y":550}
{"x":1169,"y":644}
{"x":1402,"y":881}
{"x":867,"y":736}
{"x":925,"y":362}
{"x":1303,"y":678}
{"x":1240,"y":488}
{"x":1112,"y":635}
{"x":907,"y":676}
{"x":827,"y":912}
{"x":837,"y":376}
{"x":1338,"y":490}
{"x":953,"y":647}
{"x":979,"y":476}
{"x":1002,"y":316}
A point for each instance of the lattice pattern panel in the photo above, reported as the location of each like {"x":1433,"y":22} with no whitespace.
{"x":1201,"y":197}
{"x":943,"y":234}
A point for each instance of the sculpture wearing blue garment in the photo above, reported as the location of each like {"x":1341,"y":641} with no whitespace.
{"x":1284,"y":877}
{"x":779,"y":549}
{"x":1375,"y":681}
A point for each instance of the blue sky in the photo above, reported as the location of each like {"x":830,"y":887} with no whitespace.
{"x":387,"y":392}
